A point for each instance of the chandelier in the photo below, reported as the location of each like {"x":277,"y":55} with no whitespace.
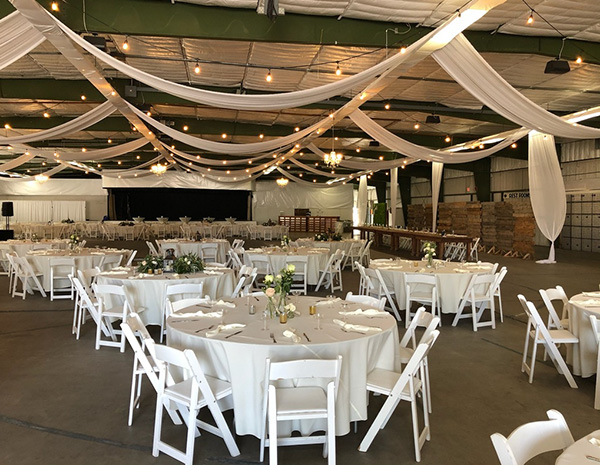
{"x":158,"y":169}
{"x":282,"y":182}
{"x":332,"y":159}
{"x":41,"y":178}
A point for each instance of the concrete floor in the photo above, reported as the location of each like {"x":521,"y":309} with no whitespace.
{"x":62,"y":402}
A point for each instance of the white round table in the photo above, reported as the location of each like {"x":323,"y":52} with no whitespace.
{"x":317,"y":259}
{"x":84,"y":259}
{"x":344,"y":245}
{"x":21,"y":247}
{"x":182,"y":247}
{"x":240,"y":358}
{"x":577,"y":453}
{"x":582,"y":356}
{"x":452,"y":278}
{"x":148,"y":290}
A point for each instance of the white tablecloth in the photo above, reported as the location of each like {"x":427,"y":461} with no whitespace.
{"x":85,"y":259}
{"x":343,"y":245}
{"x":22,"y":247}
{"x":576,"y":453}
{"x":582,"y":356}
{"x":148,"y":291}
{"x":184,"y":247}
{"x":452,"y":278}
{"x":241,"y":358}
{"x":317,"y":259}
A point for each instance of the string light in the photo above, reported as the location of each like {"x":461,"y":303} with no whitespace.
{"x":513,"y":145}
{"x":224,"y":136}
{"x":338,"y":71}
{"x":447,"y":139}
{"x":579,"y":60}
{"x":530,"y":19}
{"x":297,"y":129}
{"x":197,"y":68}
{"x":417,"y":126}
{"x":7,"y":126}
{"x":387,"y":106}
{"x":54,"y":6}
{"x":83,"y":97}
{"x":46,"y":114}
{"x":403,"y":49}
{"x":261,"y":136}
{"x":269,"y":78}
{"x":185,"y":128}
{"x":110,"y":141}
{"x":357,"y":149}
{"x":125,"y":45}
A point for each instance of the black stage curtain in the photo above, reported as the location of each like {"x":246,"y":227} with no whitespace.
{"x":174,"y":203}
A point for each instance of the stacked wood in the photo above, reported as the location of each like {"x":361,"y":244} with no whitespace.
{"x":428,"y":216}
{"x":524,"y":228}
{"x":474,"y":219}
{"x":444,"y":222}
{"x":459,"y":217}
{"x":416,"y":216}
{"x":505,"y":224}
{"x":488,"y":223}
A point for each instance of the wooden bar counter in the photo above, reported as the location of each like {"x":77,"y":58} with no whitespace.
{"x":317,"y":224}
{"x":416,"y":236}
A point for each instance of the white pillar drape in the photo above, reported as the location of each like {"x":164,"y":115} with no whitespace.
{"x":362,"y":200}
{"x":393,"y":194}
{"x":436,"y":183}
{"x":547,"y":189}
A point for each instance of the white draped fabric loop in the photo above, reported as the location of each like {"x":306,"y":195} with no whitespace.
{"x":298,"y":180}
{"x":213,"y":162}
{"x":232,"y":173}
{"x":18,"y":37}
{"x":100,"y":154}
{"x":467,"y":67}
{"x":374,"y":165}
{"x":222,"y":176}
{"x":436,"y":182}
{"x":547,"y":189}
{"x":361,"y":201}
{"x":316,"y":171}
{"x":48,"y":173}
{"x":78,"y":124}
{"x":16,"y":162}
{"x":277,"y":101}
{"x":225,"y":147}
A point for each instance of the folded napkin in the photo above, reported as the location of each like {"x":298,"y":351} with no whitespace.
{"x":460,"y":270}
{"x":255,"y":250}
{"x":213,"y":272}
{"x":377,"y":260}
{"x":356,"y":328}
{"x":368,"y":312}
{"x":588,"y":302}
{"x":591,"y":294}
{"x":327,"y":302}
{"x":222,"y":328}
{"x":594,"y":441}
{"x":198,"y":313}
{"x":222,"y":303}
{"x":113,"y":272}
{"x":291,"y":333}
{"x":216,"y":268}
{"x":121,"y":268}
{"x":97,"y":253}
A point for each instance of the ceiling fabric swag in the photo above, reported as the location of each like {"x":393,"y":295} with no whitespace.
{"x":48,"y":173}
{"x":16,"y":162}
{"x":100,"y":154}
{"x":314,"y":170}
{"x":232,"y":173}
{"x":217,"y":176}
{"x":78,"y":124}
{"x":466,"y":66}
{"x":397,"y":144}
{"x":374,"y":165}
{"x":212,"y":162}
{"x":546,"y":188}
{"x":18,"y":37}
{"x":225,"y":147}
{"x":291,"y":177}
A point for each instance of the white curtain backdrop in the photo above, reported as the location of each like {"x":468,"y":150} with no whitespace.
{"x":362,"y":200}
{"x":467,"y":67}
{"x":436,"y":182}
{"x":43,"y":211}
{"x":547,"y":189}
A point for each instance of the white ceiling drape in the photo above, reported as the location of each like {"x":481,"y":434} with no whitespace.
{"x":18,"y":37}
{"x":436,"y":183}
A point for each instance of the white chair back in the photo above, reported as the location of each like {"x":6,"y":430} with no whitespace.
{"x":553,"y":294}
{"x":372,"y":302}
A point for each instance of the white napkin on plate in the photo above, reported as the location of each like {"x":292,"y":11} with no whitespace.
{"x":378,"y":260}
{"x":198,"y":313}
{"x":367,"y":312}
{"x":222,"y":303}
{"x":327,"y":302}
{"x":356,"y":328}
{"x":97,"y":253}
{"x":218,"y":273}
{"x":291,"y":333}
{"x":222,"y":328}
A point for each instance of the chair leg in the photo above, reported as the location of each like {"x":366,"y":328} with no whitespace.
{"x":597,"y":394}
{"x":133,"y":392}
{"x":380,"y":420}
{"x":533,"y":355}
{"x":157,"y":426}
{"x":500,"y":308}
{"x":191,"y":437}
{"x":415,"y":425}
{"x":272,"y":429}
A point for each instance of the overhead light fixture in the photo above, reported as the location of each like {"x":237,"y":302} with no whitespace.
{"x":433,"y":119}
{"x":332,"y":159}
{"x":269,"y":78}
{"x":557,"y":66}
{"x":530,"y":18}
{"x":125,"y":45}
{"x":338,"y":71}
{"x":282,"y":182}
{"x":197,"y":68}
{"x":158,"y":169}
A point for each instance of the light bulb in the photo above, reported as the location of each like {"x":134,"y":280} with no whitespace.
{"x":110,"y":141}
{"x":338,"y":71}
{"x":185,"y":128}
{"x":403,"y":49}
{"x":224,"y":136}
{"x":269,"y":78}
{"x":387,"y":106}
{"x":125,"y":45}
{"x":261,"y":136}
{"x":197,"y":68}
{"x":417,"y":126}
{"x":54,"y":6}
{"x":513,"y":145}
{"x":46,"y":114}
{"x":530,"y":19}
{"x":358,"y":150}
{"x":83,"y":97}
{"x":579,"y":60}
{"x":447,"y":139}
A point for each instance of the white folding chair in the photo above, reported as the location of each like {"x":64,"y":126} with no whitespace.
{"x":109,"y":311}
{"x":210,"y":252}
{"x":401,"y":386}
{"x":85,"y":303}
{"x":61,"y":286}
{"x":365,"y":254}
{"x":556,"y":293}
{"x":376,"y":287}
{"x":532,"y":439}
{"x":363,"y":287}
{"x":497,"y":292}
{"x":131,"y":257}
{"x":175,"y":292}
{"x":268,"y":233}
{"x":261,"y":263}
{"x":332,"y":270}
{"x":353,"y":254}
{"x":300,"y":276}
{"x":29,"y":279}
{"x":152,"y":249}
{"x":108,"y":262}
{"x":193,"y":392}
{"x":244,"y":285}
{"x":537,"y":331}
{"x":421,"y":288}
{"x":233,"y":260}
{"x":294,"y":391}
{"x":479,"y":295}
{"x":372,"y":302}
{"x":474,"y":255}
{"x":596,"y":330}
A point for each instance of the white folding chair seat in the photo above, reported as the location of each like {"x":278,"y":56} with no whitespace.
{"x":376,"y":287}
{"x":194,"y":392}
{"x":371,"y":302}
{"x":61,"y":286}
{"x":421,"y":288}
{"x":293,"y":391}
{"x":331,"y":272}
{"x":532,"y":439}
{"x":401,"y":386}
{"x":175,"y":292}
{"x":537,"y":331}
{"x":550,"y":295}
{"x":480,"y":296}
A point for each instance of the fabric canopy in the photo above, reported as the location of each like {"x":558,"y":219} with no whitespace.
{"x":467,"y":67}
{"x":546,"y":188}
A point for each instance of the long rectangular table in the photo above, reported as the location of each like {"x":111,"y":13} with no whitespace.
{"x":416,"y":236}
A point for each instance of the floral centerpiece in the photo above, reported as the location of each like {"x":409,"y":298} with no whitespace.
{"x":429,"y":249}
{"x":188,"y":263}
{"x":321,"y":237}
{"x":151,"y":264}
{"x":35,"y":238}
{"x":285,"y":241}
{"x":74,"y":241}
{"x":68,"y":221}
{"x":336,"y":237}
{"x":277,"y":289}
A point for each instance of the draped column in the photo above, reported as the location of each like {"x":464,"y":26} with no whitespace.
{"x":393,"y":194}
{"x":436,"y":182}
{"x":546,"y":188}
{"x":361,"y":201}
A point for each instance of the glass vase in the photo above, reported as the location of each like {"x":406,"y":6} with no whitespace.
{"x":429,"y":261}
